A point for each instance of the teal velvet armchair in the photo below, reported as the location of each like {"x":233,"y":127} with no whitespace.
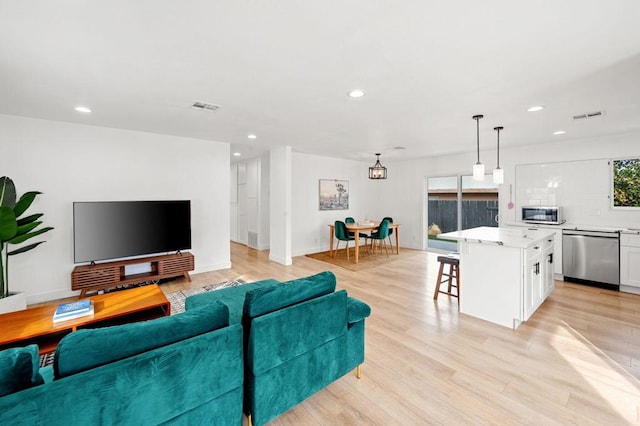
{"x":299,"y":337}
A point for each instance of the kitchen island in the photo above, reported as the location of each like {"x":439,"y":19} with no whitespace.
{"x":505,"y":273}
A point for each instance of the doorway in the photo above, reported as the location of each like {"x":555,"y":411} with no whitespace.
{"x":458,"y":202}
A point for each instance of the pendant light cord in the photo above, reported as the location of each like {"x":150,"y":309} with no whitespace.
{"x":477,"y":118}
{"x":478,"y":138}
{"x":498,"y":151}
{"x":497,"y":129}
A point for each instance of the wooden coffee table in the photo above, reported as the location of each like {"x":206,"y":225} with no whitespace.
{"x":35,"y":325}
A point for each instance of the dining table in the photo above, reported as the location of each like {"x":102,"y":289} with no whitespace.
{"x":357,"y":227}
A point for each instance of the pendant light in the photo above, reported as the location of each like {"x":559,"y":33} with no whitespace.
{"x":498,"y":173}
{"x":377,"y":171}
{"x":478,"y":168}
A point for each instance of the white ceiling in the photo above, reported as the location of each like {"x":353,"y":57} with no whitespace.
{"x":281,"y":69}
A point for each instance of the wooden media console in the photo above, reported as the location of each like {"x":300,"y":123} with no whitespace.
{"x":112,"y":274}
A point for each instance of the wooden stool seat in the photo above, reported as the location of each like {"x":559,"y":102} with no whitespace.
{"x":452,"y":276}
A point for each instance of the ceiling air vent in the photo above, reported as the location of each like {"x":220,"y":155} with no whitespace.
{"x":204,"y":106}
{"x":588,"y":115}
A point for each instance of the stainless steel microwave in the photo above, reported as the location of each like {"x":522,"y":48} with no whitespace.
{"x":539,"y":214}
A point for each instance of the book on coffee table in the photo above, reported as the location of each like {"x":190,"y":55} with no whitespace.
{"x":67,"y":311}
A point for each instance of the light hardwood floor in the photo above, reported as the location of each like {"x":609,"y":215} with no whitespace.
{"x":576,"y":361}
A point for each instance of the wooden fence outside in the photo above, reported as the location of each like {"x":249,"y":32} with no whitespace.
{"x":475,"y":213}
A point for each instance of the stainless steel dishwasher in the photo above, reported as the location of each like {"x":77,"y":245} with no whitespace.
{"x":592,"y":257}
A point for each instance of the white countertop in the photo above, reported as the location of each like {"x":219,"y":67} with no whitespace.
{"x":510,"y":237}
{"x":575,"y":226}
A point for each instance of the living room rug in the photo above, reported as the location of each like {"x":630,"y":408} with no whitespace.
{"x":365,"y":261}
{"x":177,"y":305}
{"x":177,"y":298}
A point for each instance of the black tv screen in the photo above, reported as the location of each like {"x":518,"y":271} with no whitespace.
{"x":115,"y":229}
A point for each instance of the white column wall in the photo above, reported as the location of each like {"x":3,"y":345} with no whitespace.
{"x":264,"y":203}
{"x":280,"y":205}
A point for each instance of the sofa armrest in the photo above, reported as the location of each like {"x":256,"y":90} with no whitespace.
{"x":357,"y":310}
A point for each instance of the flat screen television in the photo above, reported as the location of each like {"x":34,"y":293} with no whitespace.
{"x":105,"y":230}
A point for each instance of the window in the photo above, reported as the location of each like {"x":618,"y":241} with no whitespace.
{"x":458,"y":202}
{"x":626,"y":182}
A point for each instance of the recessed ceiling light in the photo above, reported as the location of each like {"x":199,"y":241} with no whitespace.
{"x":252,"y":136}
{"x":357,"y":93}
{"x":236,"y":154}
{"x":559,"y":132}
{"x":535,"y":108}
{"x":84,"y":109}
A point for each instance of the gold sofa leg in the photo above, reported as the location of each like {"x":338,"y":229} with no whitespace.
{"x":249,"y":423}
{"x":358,"y":375}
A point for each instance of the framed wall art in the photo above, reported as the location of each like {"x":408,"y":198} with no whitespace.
{"x":334,"y":194}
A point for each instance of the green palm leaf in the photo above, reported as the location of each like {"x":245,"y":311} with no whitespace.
{"x":29,"y":219}
{"x":25,"y":248}
{"x":25,"y":202}
{"x":22,"y":238}
{"x":8,"y":226}
{"x":23,"y":229}
{"x":7,"y":192}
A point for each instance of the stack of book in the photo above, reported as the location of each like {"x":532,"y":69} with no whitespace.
{"x":72,"y":310}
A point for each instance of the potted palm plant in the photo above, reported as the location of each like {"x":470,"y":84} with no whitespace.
{"x":14,"y":230}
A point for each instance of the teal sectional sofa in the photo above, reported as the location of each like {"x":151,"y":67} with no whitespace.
{"x":260,"y":348}
{"x":183,"y":369}
{"x":299,"y":337}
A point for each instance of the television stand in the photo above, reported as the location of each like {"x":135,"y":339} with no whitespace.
{"x":100,"y":276}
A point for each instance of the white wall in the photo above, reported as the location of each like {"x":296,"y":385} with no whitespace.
{"x":310,"y":226}
{"x":69,"y":162}
{"x":407,"y":184}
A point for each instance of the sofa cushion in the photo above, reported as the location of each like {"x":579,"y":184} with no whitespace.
{"x":86,"y":349}
{"x":268,"y":299}
{"x":19,"y":369}
{"x":233,"y":297}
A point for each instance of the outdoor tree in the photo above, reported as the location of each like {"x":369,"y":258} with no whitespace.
{"x":626,"y":183}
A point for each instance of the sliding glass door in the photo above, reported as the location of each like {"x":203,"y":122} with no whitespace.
{"x":442,"y":211}
{"x":456,"y":203}
{"x":479,"y":204}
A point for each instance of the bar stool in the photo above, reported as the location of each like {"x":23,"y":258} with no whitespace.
{"x":453,"y":276}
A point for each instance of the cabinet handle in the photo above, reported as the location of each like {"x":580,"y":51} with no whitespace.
{"x":551,"y":258}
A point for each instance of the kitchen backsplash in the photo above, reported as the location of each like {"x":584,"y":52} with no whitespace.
{"x":581,"y":188}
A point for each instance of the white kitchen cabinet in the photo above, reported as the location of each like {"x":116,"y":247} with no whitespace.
{"x":557,"y":243}
{"x":549,"y":265}
{"x":556,"y":258}
{"x":539,"y":279}
{"x":505,"y":274}
{"x":533,"y":285}
{"x":630,"y":263}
